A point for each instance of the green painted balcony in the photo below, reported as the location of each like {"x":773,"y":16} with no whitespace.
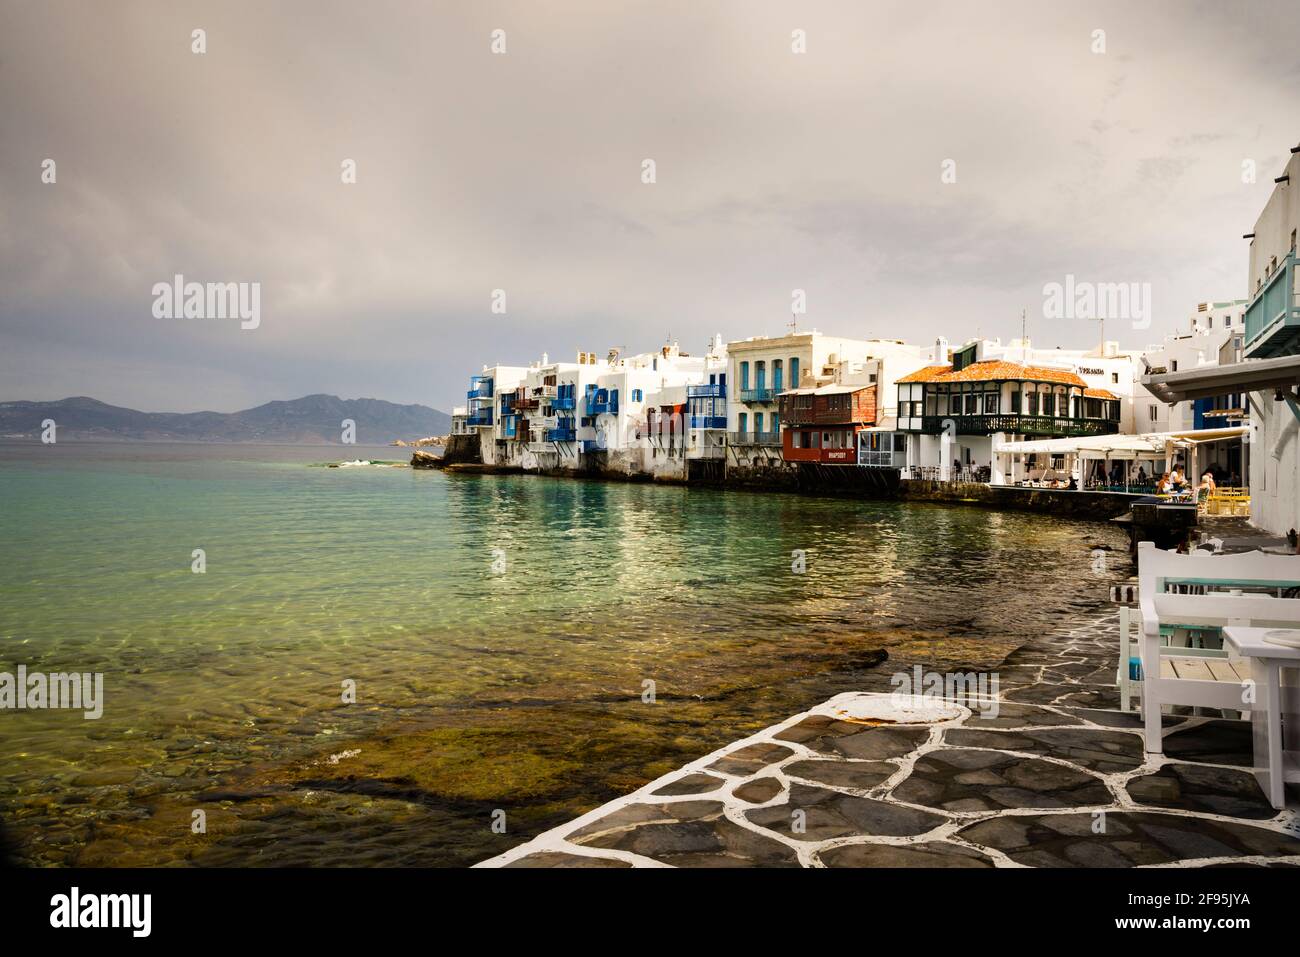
{"x":1054,"y":425}
{"x":1273,"y":316}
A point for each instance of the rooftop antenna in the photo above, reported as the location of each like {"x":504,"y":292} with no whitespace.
{"x":794,"y":323}
{"x":1101,"y":349}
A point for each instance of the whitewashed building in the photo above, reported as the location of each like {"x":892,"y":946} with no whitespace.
{"x":481,"y":413}
{"x":656,"y":411}
{"x":761,"y":368}
{"x":1269,"y":370}
{"x":958,"y":411}
{"x":1214,"y":333}
{"x":649,"y":413}
{"x":458,"y":426}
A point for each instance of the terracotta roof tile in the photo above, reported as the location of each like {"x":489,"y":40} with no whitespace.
{"x":1099,"y":394}
{"x":994,"y":370}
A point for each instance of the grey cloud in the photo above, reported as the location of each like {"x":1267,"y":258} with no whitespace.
{"x":521,"y":172}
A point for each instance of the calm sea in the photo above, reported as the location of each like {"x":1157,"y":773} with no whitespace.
{"x":503,"y":634}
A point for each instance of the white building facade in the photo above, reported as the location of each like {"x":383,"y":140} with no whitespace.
{"x":1272,"y":332}
{"x":761,"y":368}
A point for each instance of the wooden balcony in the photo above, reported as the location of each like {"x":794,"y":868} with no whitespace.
{"x":1057,"y":425}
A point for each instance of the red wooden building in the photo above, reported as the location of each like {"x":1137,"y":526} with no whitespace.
{"x":822,"y":424}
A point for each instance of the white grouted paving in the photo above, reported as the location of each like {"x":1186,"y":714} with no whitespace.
{"x":1080,"y":741}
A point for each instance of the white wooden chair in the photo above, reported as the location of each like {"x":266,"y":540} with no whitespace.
{"x":1179,"y":658}
{"x":1186,"y":676}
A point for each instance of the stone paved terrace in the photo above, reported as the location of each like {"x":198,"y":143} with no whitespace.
{"x":1058,"y":778}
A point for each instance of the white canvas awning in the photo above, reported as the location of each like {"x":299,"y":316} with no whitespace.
{"x":1120,"y":446}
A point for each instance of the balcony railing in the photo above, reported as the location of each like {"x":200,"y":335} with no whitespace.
{"x":758,"y":395}
{"x":830,"y":417}
{"x":754,"y":438}
{"x":934,"y":473}
{"x":708,"y":390}
{"x":608,"y":407}
{"x":1273,"y":316}
{"x":568,"y":402}
{"x":707,"y":422}
{"x":479,"y":388}
{"x":480,"y":417}
{"x":1022,"y":424}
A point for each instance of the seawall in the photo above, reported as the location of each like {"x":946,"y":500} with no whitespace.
{"x":1099,"y":506}
{"x":850,"y":481}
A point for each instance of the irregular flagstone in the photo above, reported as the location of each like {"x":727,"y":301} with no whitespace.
{"x":925,"y":854}
{"x":850,"y":740}
{"x":1090,"y":698}
{"x":1104,"y":751}
{"x":859,"y":775}
{"x":1214,"y":742}
{"x":696,"y":783}
{"x":1038,"y":693}
{"x":561,"y":859}
{"x":971,"y":781}
{"x":759,"y":791}
{"x":830,"y":814}
{"x":1127,"y":839}
{"x":1019,"y":675}
{"x":816,"y":726}
{"x":686,"y":834}
{"x":1125,"y":719}
{"x":1023,"y":804}
{"x":750,"y":759}
{"x":1071,"y":670}
{"x":633,"y":815}
{"x":1020,"y":716}
{"x":1226,"y":791}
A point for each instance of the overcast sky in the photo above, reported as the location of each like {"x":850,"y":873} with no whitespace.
{"x":522,"y":172}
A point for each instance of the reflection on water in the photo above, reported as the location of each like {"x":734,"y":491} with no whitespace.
{"x":499,"y":630}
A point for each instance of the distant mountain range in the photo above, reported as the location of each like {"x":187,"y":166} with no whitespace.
{"x":311,"y":419}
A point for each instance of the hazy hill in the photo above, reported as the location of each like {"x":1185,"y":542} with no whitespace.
{"x":311,"y":419}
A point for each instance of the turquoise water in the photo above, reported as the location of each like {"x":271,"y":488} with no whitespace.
{"x":499,"y":631}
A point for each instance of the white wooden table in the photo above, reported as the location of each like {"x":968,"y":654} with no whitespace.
{"x":1277,"y":761}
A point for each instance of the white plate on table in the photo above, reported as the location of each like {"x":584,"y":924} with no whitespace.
{"x":1287,"y":637}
